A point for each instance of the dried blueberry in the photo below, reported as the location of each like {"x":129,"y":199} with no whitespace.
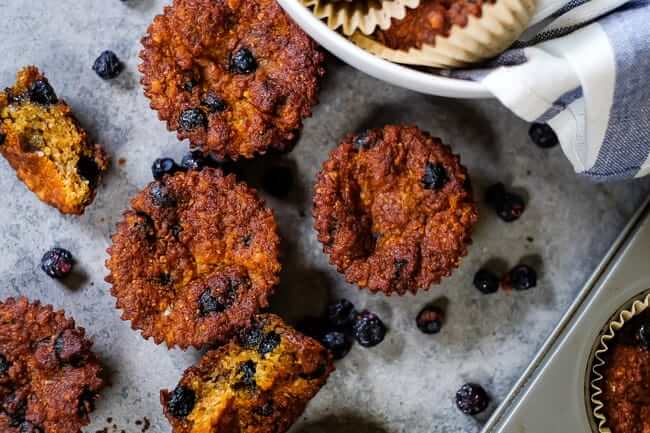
{"x":57,"y":262}
{"x":192,"y":118}
{"x":341,"y":313}
{"x":194,"y":160}
{"x":543,"y":135}
{"x":107,"y":65}
{"x":472,"y":399}
{"x":181,"y":401}
{"x":269,"y":342}
{"x":163,"y":166}
{"x":435,"y":176}
{"x":208,"y":304}
{"x":28,"y":427}
{"x":243,"y":62}
{"x":213,"y":104}
{"x":161,"y":196}
{"x":247,"y":375}
{"x":522,"y":277}
{"x":368,"y":329}
{"x":337,"y":343}
{"x":265,"y":410}
{"x":508,"y":206}
{"x":486,"y":282}
{"x":643,"y":335}
{"x":4,"y":364}
{"x":88,"y":169}
{"x":429,"y":320}
{"x":278,"y":181}
{"x":40,"y":92}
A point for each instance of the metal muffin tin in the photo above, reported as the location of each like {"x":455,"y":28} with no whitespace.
{"x":553,"y":393}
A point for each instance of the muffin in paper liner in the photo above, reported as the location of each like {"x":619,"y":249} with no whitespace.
{"x":598,"y":359}
{"x":499,"y":25}
{"x":359,"y":16}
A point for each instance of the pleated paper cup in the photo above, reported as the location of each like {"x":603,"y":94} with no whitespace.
{"x":484,"y":37}
{"x":362,"y":16}
{"x":599,"y":358}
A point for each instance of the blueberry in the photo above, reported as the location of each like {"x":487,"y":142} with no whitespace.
{"x":364,"y":140}
{"x":486,"y":282}
{"x":522,"y":277}
{"x":247,"y":375}
{"x":278,"y":181}
{"x":88,"y":169}
{"x":194,"y":160}
{"x":643,"y":334}
{"x":214,"y":104}
{"x":181,"y":401}
{"x":368,"y":329}
{"x":2,"y":138}
{"x":429,"y":320}
{"x":508,"y":206}
{"x":40,"y":92}
{"x":107,"y":65}
{"x":341,"y":313}
{"x":543,"y":135}
{"x":435,"y":176}
{"x":269,"y":342}
{"x":28,"y":427}
{"x":161,"y":196}
{"x":472,"y":399}
{"x":189,"y":83}
{"x":243,"y":62}
{"x":4,"y":364}
{"x":208,"y":304}
{"x":192,"y":118}
{"x":86,"y":402}
{"x":251,"y":337}
{"x":265,"y":410}
{"x":57,"y":262}
{"x":337,"y":343}
{"x":163,"y":166}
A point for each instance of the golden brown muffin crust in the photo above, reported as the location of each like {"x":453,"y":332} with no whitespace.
{"x":431,"y":19}
{"x":188,"y":59}
{"x":194,"y":259}
{"x":49,"y":378}
{"x":43,"y":142}
{"x":379,"y":218}
{"x":259,"y":382}
{"x":626,"y":383}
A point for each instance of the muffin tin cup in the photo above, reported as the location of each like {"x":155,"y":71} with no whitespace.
{"x":357,"y":16}
{"x":500,"y":24}
{"x":637,"y":306}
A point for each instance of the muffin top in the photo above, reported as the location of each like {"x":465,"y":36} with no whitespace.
{"x":194,"y":258}
{"x":49,"y":378}
{"x":431,"y":19}
{"x":394,"y":210}
{"x":236,"y":77}
{"x":42,"y":141}
{"x":626,"y":377}
{"x":260,"y":382}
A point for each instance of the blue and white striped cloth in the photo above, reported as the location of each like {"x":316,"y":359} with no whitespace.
{"x":583,"y":67}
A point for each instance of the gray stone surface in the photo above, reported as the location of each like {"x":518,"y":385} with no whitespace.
{"x":407,"y":383}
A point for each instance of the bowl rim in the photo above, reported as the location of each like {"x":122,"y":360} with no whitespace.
{"x":377,"y":67}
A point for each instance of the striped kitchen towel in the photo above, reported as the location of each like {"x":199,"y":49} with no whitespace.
{"x":583,"y":67}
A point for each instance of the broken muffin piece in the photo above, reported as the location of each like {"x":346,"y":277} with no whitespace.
{"x":260,"y":382}
{"x":43,"y":142}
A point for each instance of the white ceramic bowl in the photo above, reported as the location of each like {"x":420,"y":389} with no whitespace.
{"x":379,"y":68}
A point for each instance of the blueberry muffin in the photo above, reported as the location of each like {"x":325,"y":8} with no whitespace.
{"x":194,"y":259}
{"x":260,"y":382}
{"x":393,"y":209}
{"x":626,"y":377}
{"x":43,"y":142}
{"x":235,"y":77}
{"x":49,"y":378}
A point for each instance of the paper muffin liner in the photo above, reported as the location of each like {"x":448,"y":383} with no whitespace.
{"x":499,"y":25}
{"x":638,"y":306}
{"x":362,"y":16}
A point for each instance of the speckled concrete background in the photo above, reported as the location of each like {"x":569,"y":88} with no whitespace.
{"x":407,"y":383}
